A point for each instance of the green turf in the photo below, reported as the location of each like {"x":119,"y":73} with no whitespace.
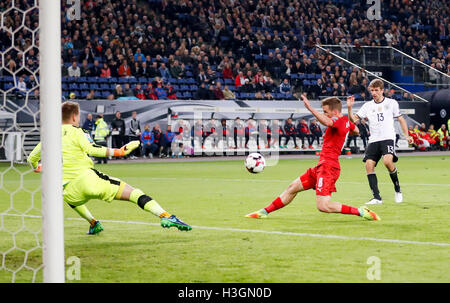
{"x":219,"y":194}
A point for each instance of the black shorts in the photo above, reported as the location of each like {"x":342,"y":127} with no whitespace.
{"x":376,"y":150}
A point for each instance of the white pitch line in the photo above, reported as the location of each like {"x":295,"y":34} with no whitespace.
{"x":284,"y":233}
{"x":273,"y":181}
{"x":323,"y":236}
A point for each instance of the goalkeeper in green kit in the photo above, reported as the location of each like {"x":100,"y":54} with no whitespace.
{"x":81,"y":182}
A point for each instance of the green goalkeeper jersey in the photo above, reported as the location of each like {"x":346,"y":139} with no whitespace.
{"x":76,"y":146}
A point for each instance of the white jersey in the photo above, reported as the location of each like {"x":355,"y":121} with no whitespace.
{"x":381,"y":118}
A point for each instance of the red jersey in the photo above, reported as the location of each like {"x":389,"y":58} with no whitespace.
{"x":334,"y":140}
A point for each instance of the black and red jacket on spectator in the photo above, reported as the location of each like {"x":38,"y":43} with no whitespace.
{"x":289,"y":129}
{"x":156,"y":136}
{"x":303,"y":129}
{"x":171,"y":92}
{"x":238,"y":129}
{"x":198,"y":130}
{"x":149,"y":92}
{"x":315,"y":129}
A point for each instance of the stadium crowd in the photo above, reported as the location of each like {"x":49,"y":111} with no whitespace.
{"x":223,"y":49}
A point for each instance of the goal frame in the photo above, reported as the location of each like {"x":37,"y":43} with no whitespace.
{"x":51,"y":155}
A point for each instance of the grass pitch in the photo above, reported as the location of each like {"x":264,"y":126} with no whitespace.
{"x":295,"y":244}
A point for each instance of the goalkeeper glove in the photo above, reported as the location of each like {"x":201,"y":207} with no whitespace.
{"x":37,"y":169}
{"x":126,"y":149}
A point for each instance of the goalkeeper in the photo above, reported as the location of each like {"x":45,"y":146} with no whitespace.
{"x":81,"y":182}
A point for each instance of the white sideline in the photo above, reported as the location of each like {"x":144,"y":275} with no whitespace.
{"x":396,"y":241}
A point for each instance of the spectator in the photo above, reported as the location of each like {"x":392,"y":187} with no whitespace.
{"x":154,"y":71}
{"x":127,"y":91}
{"x":22,"y":85}
{"x":303,"y":133}
{"x":316,"y":131}
{"x":443,"y":137}
{"x":202,"y":92}
{"x":118,"y":92}
{"x":96,"y":70}
{"x":139,"y":56}
{"x":290,"y":132}
{"x":251,"y":132}
{"x":118,"y":131}
{"x":85,"y":70}
{"x":227,"y":72}
{"x":157,"y":138}
{"x":74,"y":70}
{"x":264,"y":133}
{"x":226,"y":132}
{"x":90,"y":95}
{"x":228,"y":94}
{"x":87,"y":55}
{"x":100,"y":135}
{"x":149,"y":148}
{"x":139,"y":92}
{"x":124,"y":70}
{"x":238,"y":132}
{"x":285,"y":88}
{"x":105,"y":71}
{"x":171,"y":92}
{"x":165,"y":73}
{"x":176,"y":70}
{"x":150,"y":92}
{"x":202,"y":77}
{"x":160,"y":92}
{"x":134,"y":133}
{"x":167,"y":140}
{"x":240,"y":80}
{"x":218,"y":93}
{"x":364,"y":132}
{"x":88,"y":124}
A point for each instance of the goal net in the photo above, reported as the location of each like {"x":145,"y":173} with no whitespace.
{"x":25,"y":236}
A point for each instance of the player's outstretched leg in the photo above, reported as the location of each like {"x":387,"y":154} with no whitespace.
{"x":95,"y":226}
{"x":148,"y":204}
{"x":284,"y":199}
{"x":324,"y":204}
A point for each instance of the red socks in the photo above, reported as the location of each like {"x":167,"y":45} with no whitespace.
{"x":276,"y":204}
{"x":350,"y":210}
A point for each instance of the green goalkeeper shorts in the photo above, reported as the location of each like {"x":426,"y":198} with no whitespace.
{"x":89,"y":185}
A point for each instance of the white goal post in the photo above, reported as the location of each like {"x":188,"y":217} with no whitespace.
{"x":51,"y":156}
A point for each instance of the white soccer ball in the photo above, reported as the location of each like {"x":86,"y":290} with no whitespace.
{"x":255,"y":163}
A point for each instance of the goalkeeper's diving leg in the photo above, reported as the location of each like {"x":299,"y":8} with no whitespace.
{"x":137,"y":196}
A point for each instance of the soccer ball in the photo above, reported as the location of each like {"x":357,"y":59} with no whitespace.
{"x":255,"y":163}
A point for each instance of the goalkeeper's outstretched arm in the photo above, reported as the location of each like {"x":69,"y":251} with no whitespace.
{"x":101,"y":151}
{"x":34,"y":158}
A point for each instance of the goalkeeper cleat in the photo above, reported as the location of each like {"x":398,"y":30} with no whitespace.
{"x":96,"y":229}
{"x":368,"y":214}
{"x":260,"y":214}
{"x":174,"y":221}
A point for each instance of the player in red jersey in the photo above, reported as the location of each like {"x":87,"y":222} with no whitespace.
{"x":324,"y":175}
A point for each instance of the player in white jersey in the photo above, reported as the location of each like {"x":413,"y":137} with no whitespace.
{"x":380,"y":113}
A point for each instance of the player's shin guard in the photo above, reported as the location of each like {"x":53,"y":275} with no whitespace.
{"x":147,"y":203}
{"x":394,"y":179}
{"x":373,"y":183}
